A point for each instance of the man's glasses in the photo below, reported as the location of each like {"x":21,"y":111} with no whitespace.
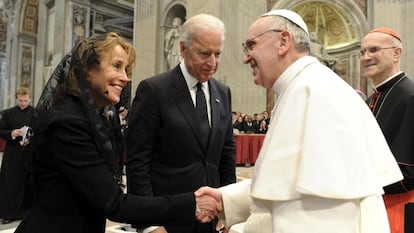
{"x":249,"y":44}
{"x":373,"y":50}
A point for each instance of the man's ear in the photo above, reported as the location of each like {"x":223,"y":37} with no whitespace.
{"x":286,"y":40}
{"x":397,"y":54}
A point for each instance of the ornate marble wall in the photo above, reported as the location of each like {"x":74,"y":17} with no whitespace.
{"x":34,"y":35}
{"x":155,"y":19}
{"x":337,"y":28}
{"x":19,"y":23}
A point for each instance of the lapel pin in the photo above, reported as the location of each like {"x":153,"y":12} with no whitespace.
{"x":217,"y":100}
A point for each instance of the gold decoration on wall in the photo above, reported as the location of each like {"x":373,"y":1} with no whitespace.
{"x":3,"y":30}
{"x":29,"y":17}
{"x":330,"y":25}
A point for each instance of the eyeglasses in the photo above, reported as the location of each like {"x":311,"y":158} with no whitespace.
{"x":249,"y":44}
{"x":373,"y":50}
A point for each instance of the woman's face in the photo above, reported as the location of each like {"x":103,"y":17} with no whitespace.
{"x":108,"y":79}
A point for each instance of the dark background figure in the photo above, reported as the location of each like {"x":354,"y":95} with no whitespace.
{"x":169,"y":149}
{"x":262,"y":127}
{"x":116,"y":121}
{"x":121,"y":149}
{"x":122,"y":108}
{"x":113,"y":122}
{"x":238,"y":124}
{"x":393,"y":106}
{"x":257,"y":118}
{"x":15,"y":174}
{"x":248,"y":125}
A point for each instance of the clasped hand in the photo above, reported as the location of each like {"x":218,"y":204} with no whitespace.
{"x":209,"y":204}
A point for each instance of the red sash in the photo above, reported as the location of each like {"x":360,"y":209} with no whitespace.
{"x":395,"y":204}
{"x":2,"y":144}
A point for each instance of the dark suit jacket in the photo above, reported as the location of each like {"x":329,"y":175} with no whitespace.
{"x":75,"y":188}
{"x":165,"y":152}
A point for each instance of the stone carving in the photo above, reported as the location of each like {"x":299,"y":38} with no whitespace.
{"x":3,"y":30}
{"x":79,"y":31}
{"x":26,"y":68}
{"x":172,"y":43}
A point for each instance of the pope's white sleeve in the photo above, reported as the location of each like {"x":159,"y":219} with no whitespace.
{"x":236,"y":202}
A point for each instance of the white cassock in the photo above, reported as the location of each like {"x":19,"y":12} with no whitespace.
{"x":322,"y":165}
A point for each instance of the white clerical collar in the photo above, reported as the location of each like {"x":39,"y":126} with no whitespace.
{"x":386,"y":80}
{"x":291,"y":72}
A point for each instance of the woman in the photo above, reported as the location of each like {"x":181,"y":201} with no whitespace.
{"x":74,"y":164}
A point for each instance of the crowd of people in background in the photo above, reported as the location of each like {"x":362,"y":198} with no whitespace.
{"x":243,"y":123}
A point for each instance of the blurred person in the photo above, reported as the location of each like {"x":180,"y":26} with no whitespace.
{"x":266,"y":117}
{"x":392,"y":104}
{"x":234,"y":117}
{"x":16,"y":125}
{"x":173,"y":147}
{"x":76,"y":186}
{"x":324,"y":161}
{"x":262,"y":127}
{"x":248,"y":125}
{"x":238,"y":124}
{"x":257,"y":118}
{"x":113,"y":122}
{"x":122,"y":146}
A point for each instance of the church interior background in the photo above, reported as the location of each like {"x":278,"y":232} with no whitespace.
{"x":36,"y":34}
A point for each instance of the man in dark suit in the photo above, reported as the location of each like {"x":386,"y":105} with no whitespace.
{"x":180,"y":128}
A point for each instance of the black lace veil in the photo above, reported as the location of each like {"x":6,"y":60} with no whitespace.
{"x":69,"y":78}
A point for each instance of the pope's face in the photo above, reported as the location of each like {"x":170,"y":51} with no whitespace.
{"x":260,"y":50}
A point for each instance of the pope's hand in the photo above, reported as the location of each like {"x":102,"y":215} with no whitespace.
{"x":208,"y":204}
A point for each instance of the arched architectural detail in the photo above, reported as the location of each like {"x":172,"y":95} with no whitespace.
{"x":338,"y":29}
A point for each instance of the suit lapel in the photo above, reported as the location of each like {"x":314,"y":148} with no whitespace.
{"x":182,"y":98}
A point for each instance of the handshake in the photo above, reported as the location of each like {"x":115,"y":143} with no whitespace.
{"x":209,"y":204}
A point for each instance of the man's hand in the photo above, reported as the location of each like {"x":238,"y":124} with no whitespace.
{"x":16,"y":133}
{"x":208,"y":204}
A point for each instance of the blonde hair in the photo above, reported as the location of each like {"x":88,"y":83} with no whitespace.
{"x":23,"y":91}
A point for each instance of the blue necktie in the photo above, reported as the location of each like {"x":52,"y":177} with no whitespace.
{"x":201,"y":107}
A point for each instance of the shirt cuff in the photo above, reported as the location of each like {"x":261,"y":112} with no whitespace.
{"x":149,"y":229}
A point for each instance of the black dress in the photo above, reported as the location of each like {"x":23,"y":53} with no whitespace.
{"x":75,"y":189}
